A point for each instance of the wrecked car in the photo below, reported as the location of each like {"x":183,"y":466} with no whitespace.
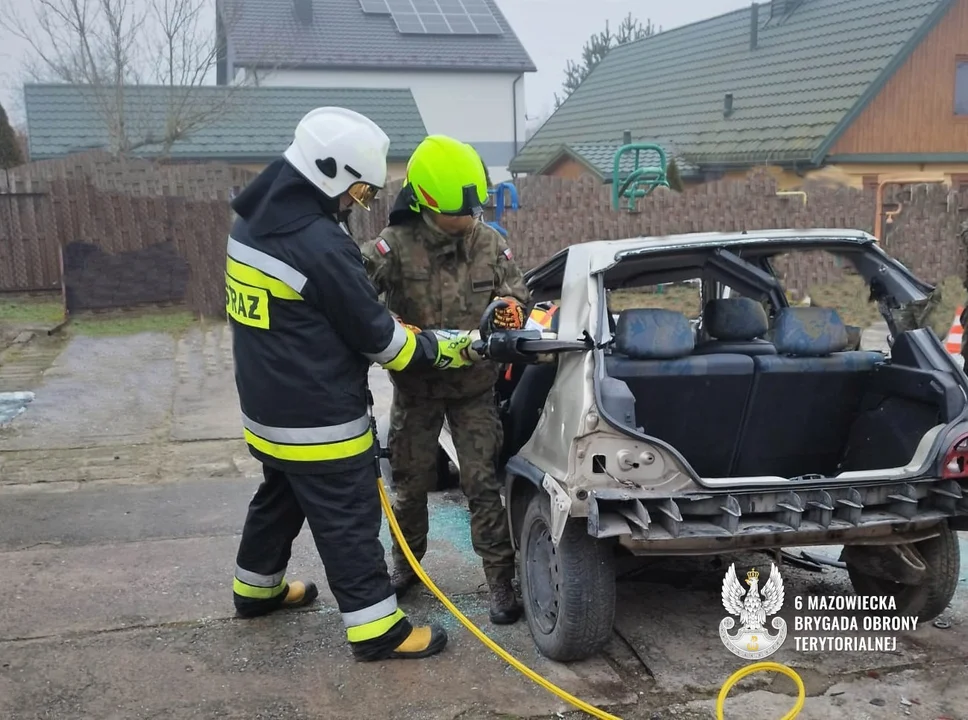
{"x":756,"y":427}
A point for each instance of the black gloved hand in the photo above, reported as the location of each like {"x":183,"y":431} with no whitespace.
{"x":504,"y":313}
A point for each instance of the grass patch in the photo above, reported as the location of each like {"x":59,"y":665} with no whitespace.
{"x":131,"y":323}
{"x":849,"y":298}
{"x":680,"y":298}
{"x":30,"y":311}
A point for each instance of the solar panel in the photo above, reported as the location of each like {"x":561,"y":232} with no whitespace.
{"x":409,"y":23}
{"x":375,"y":7}
{"x":486,"y":24}
{"x":440,"y":17}
{"x":460,"y":24}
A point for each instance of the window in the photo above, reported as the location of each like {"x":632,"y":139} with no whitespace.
{"x":682,"y":296}
{"x":961,"y":88}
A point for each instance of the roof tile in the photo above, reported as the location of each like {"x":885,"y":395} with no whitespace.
{"x":267,"y":33}
{"x":254,"y":123}
{"x":808,"y":71}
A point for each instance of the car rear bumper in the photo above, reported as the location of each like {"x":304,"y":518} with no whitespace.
{"x":711,"y":522}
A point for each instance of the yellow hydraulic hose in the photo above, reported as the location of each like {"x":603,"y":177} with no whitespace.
{"x":495,"y":648}
{"x":763,"y":667}
{"x":547,"y":685}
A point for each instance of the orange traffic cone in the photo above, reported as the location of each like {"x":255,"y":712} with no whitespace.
{"x":953,"y":342}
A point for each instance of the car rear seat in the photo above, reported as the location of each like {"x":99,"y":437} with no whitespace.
{"x":805,"y":398}
{"x":737,"y":326}
{"x":694,"y":403}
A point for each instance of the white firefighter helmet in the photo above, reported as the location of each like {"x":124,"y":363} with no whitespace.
{"x":339,"y":150}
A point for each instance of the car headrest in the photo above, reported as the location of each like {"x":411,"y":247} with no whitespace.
{"x":653,"y":334}
{"x":809,"y":331}
{"x":735,"y":319}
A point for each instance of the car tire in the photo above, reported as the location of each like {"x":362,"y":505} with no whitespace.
{"x":569,"y":590}
{"x":929,"y":599}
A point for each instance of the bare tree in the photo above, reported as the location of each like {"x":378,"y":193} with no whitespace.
{"x":113,"y":48}
{"x":597,"y":47}
{"x":190,"y":54}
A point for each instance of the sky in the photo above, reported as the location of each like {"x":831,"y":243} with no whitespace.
{"x":553,"y":31}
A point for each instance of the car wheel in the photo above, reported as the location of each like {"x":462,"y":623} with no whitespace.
{"x":568,"y":590}
{"x":928,"y":599}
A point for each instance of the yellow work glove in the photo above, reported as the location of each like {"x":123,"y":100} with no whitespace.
{"x":454,"y":349}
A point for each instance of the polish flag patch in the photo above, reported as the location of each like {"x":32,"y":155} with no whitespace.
{"x":382,"y":246}
{"x":508,"y":254}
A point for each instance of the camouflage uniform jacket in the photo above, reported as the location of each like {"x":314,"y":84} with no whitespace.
{"x":434,"y":280}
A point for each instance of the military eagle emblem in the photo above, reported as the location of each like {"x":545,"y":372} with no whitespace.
{"x":752,"y":641}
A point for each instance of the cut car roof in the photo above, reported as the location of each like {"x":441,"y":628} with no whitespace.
{"x":603,"y":254}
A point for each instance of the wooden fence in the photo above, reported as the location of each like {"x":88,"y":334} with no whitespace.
{"x":118,"y":233}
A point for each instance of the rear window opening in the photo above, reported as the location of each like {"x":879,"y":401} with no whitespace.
{"x":742,"y":387}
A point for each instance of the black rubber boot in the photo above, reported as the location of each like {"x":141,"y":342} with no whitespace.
{"x":505,"y":609}
{"x":421,"y":643}
{"x":402,"y":642}
{"x":298,"y":594}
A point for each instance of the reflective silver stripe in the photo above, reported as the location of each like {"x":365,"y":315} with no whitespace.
{"x":257,"y":580}
{"x":397,"y":342}
{"x":308,"y":435}
{"x":374,"y":612}
{"x":267,"y":264}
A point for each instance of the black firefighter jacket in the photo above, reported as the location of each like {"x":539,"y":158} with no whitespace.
{"x":306,"y":325}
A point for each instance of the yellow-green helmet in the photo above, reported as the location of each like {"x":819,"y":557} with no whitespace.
{"x":447,"y":176}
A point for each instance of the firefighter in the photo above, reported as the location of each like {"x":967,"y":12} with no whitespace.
{"x":438,"y":265}
{"x":306,"y":325}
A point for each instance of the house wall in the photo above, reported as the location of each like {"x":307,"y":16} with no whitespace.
{"x":568,"y":169}
{"x":861,"y":175}
{"x":914,"y":112}
{"x":475,"y":107}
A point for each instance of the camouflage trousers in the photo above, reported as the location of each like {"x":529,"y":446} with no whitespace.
{"x":415,"y":424}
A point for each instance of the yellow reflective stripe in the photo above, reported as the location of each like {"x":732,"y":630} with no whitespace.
{"x":257,"y":593}
{"x":375,"y":629}
{"x":247,"y":305}
{"x":311,"y":453}
{"x":405,"y":355}
{"x":257,"y":278}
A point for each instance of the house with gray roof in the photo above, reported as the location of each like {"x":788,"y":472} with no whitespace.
{"x":460,"y":59}
{"x":857,"y":91}
{"x":246,"y":126}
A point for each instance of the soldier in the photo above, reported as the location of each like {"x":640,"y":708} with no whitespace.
{"x":440,"y":266}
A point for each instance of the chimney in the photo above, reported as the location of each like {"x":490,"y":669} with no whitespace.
{"x":728,"y":105}
{"x":303,"y":10}
{"x":627,"y":137}
{"x":754,"y":25}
